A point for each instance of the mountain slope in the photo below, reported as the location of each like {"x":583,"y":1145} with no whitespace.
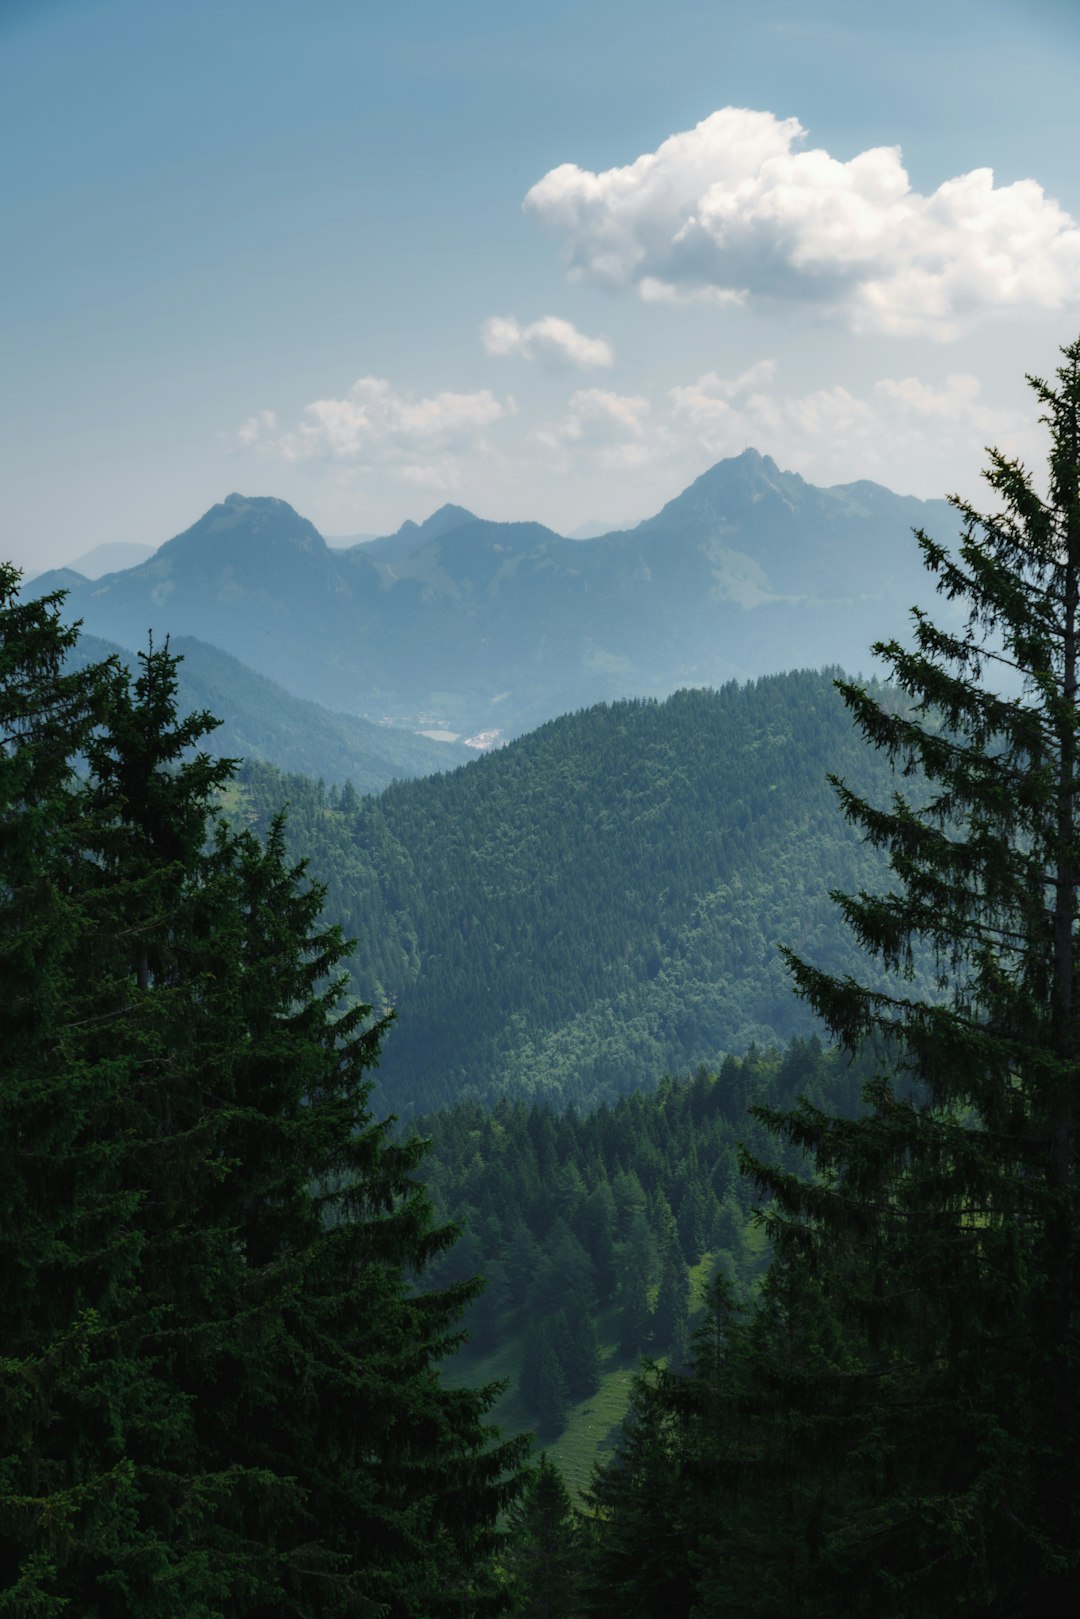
{"x":261,"y":720}
{"x":467,"y":625}
{"x":603,"y":900}
{"x":111,"y":557}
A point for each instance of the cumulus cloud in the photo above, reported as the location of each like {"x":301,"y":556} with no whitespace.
{"x":835,"y":434}
{"x":551,"y":339}
{"x":374,"y":418}
{"x":420,"y":440}
{"x":735,"y":209}
{"x":613,"y":431}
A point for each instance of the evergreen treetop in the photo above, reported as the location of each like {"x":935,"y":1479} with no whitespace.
{"x":221,"y":1386}
{"x":893,"y":1428}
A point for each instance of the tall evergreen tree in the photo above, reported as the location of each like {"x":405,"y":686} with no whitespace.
{"x":69,"y":1251}
{"x":546,"y":1550}
{"x":953,"y":1204}
{"x":224,"y":1396}
{"x":893,"y":1428}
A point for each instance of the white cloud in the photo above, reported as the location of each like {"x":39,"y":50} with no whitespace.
{"x":419,"y":440}
{"x":551,"y":339}
{"x":900,"y":426}
{"x":374,"y":423}
{"x":612,"y":431}
{"x":732,"y":209}
{"x":256,"y":427}
{"x":375,"y":420}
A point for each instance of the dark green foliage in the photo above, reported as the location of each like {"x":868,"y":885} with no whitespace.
{"x":669,"y":1318}
{"x":639,"y":1552}
{"x":220,"y":1387}
{"x":543,"y":1378}
{"x":638,"y":1264}
{"x":545,"y":1550}
{"x":893,"y":1429}
{"x":601,"y":902}
{"x":526,"y":1182}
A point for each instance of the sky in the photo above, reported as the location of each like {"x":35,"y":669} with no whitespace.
{"x":547,"y":262}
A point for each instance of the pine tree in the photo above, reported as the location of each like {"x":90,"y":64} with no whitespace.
{"x":582,"y":1363}
{"x":947,"y":1218}
{"x":241,"y":1412}
{"x":543,"y":1382}
{"x":546,"y":1551}
{"x":69,"y":1252}
{"x":639,"y":1559}
{"x":893,"y":1428}
{"x":671,"y":1311}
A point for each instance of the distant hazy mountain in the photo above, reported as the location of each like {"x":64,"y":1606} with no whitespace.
{"x":593,"y":529}
{"x":412,"y":537}
{"x":99,"y":560}
{"x":345,"y":542}
{"x":467,"y":626}
{"x":409,"y":537}
{"x":110,"y":558}
{"x":261,"y":720}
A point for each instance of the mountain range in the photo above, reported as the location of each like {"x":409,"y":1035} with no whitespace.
{"x":478,"y":629}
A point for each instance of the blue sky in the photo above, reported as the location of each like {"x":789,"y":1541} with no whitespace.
{"x":549,"y":262}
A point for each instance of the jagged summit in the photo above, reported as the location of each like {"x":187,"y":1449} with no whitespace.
{"x":412,"y":537}
{"x":459,"y":625}
{"x":722,"y":495}
{"x":447,"y":517}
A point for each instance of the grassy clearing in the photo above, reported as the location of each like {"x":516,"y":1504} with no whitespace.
{"x":590,"y":1432}
{"x":592,"y":1424}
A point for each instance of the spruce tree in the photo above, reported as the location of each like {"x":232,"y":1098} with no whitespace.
{"x":946,"y":1218}
{"x":69,"y":1247}
{"x":546,"y":1549}
{"x":892,"y":1429}
{"x":224,"y":1396}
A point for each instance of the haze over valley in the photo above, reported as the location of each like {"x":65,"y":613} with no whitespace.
{"x":477,"y":631}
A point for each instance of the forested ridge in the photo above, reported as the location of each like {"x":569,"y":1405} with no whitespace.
{"x":603,"y":901}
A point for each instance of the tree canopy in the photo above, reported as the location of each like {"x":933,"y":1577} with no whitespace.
{"x":893,"y":1428}
{"x":221,"y":1389}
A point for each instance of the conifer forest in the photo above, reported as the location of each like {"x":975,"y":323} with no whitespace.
{"x":633,"y":1174}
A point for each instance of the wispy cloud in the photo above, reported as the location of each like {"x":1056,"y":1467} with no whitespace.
{"x":608,"y":431}
{"x":553,"y":340}
{"x":256,"y":427}
{"x":418,"y":439}
{"x":734,"y":209}
{"x":836,"y":433}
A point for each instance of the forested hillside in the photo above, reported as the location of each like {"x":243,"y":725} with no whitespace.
{"x":598,"y":1235}
{"x":220,"y":1391}
{"x":261,"y":720}
{"x":603,"y":901}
